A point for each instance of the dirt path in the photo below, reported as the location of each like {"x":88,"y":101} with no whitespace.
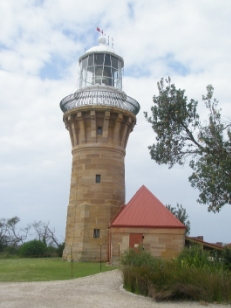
{"x":97,"y":291}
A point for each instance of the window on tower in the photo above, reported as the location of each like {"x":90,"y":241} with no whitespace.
{"x":97,"y":178}
{"x":96,"y":233}
{"x":99,"y":130}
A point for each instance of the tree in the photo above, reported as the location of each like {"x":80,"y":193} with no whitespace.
{"x":16,"y":236}
{"x":180,"y":214}
{"x":3,"y":234}
{"x":44,"y":233}
{"x":10,"y":235}
{"x":180,"y":134}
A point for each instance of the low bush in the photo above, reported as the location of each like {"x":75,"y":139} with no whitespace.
{"x":51,"y":252}
{"x":9,"y":252}
{"x":139,"y":258}
{"x":54,"y":252}
{"x":138,"y":267}
{"x":191,"y":276}
{"x":60,"y":249}
{"x":33,"y":248}
{"x":194,"y":257}
{"x":226,"y":257}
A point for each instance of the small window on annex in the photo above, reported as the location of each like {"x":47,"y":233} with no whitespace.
{"x":99,"y":130}
{"x":96,"y":233}
{"x":97,"y":178}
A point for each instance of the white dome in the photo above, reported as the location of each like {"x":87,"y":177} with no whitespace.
{"x":102,"y":40}
{"x":102,"y":47}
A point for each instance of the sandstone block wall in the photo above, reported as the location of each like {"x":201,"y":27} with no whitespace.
{"x":99,"y":136}
{"x":160,"y":242}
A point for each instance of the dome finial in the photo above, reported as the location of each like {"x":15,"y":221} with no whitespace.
{"x":102,"y":38}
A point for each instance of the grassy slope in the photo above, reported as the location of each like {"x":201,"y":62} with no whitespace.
{"x":45,"y":269}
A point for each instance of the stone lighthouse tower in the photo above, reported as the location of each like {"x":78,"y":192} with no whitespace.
{"x":99,"y":117}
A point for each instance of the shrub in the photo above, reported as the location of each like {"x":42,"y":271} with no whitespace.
{"x":191,"y":276}
{"x":33,"y":248}
{"x":60,"y":249}
{"x":226,"y":257}
{"x":51,"y":252}
{"x":9,"y":252}
{"x":55,"y":252}
{"x":194,"y":257}
{"x":138,"y":267}
{"x":136,"y":258}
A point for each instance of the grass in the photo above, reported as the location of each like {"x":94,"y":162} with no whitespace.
{"x":47,"y":269}
{"x":192,"y":276}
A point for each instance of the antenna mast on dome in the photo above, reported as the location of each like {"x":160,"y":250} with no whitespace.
{"x":108,"y":40}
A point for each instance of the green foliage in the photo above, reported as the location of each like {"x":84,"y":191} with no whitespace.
{"x":195,"y":257}
{"x":11,"y":236}
{"x":226,"y":257}
{"x":181,"y":134}
{"x":51,"y":252}
{"x":47,"y":269}
{"x":137,"y":268}
{"x":33,"y":248}
{"x":191,"y":276}
{"x":180,"y":214}
{"x":13,"y":221}
{"x":133,"y":258}
{"x":8,"y":236}
{"x":60,"y":249}
{"x":3,"y":245}
{"x":172,"y":117}
{"x":9,"y":252}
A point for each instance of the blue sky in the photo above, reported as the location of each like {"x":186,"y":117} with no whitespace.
{"x":40,"y":43}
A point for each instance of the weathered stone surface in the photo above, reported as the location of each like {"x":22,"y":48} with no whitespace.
{"x":160,"y":242}
{"x":93,"y":205}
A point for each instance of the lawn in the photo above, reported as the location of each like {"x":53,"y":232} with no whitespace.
{"x":46,"y":269}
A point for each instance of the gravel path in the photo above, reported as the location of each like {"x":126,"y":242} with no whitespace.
{"x":97,"y":291}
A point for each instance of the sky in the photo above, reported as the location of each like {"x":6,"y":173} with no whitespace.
{"x":40,"y":44}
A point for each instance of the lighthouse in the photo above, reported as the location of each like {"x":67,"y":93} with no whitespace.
{"x":99,"y":117}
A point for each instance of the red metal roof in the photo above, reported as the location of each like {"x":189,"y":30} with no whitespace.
{"x":145,"y":210}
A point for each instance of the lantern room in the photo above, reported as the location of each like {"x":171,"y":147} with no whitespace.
{"x":101,"y":66}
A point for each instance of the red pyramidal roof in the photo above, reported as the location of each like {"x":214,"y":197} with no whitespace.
{"x":145,"y":210}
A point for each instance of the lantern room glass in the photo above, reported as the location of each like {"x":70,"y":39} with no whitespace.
{"x":101,"y":69}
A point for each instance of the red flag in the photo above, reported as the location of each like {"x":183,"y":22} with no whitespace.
{"x":101,"y":31}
